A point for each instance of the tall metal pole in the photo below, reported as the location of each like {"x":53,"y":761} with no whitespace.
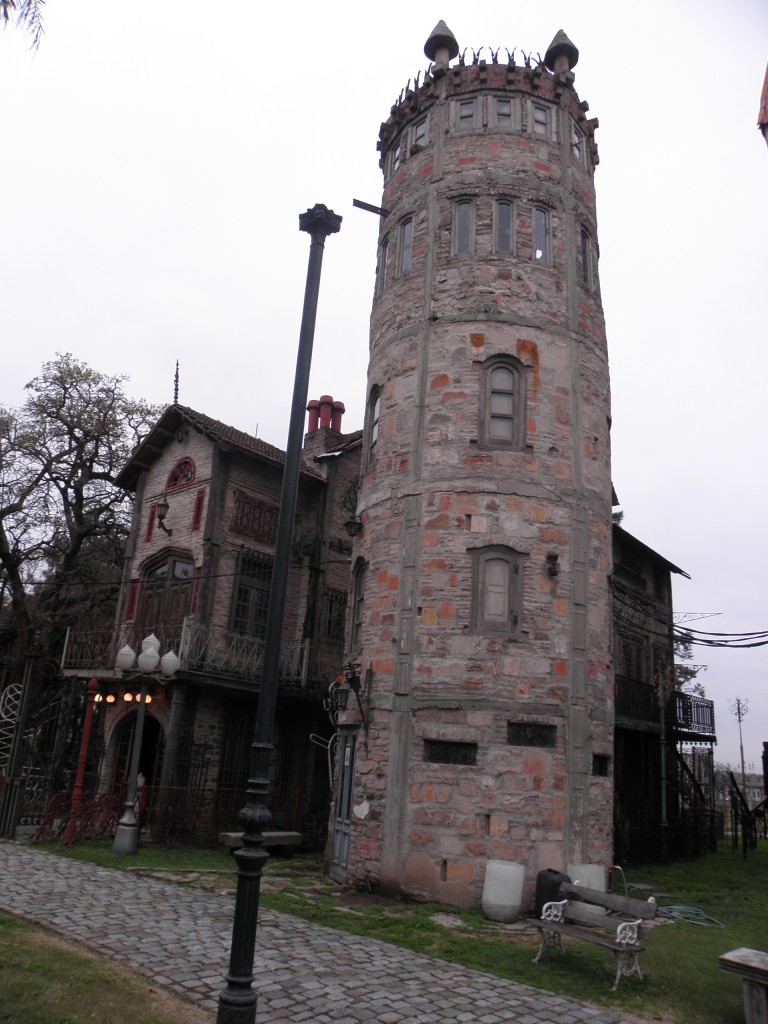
{"x":237,"y":1002}
{"x":740,"y":708}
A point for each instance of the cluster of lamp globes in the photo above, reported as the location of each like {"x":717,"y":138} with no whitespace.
{"x":147,"y":662}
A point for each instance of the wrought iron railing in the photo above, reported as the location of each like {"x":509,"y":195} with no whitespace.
{"x":691,"y":714}
{"x":201,"y":648}
{"x":636,"y":700}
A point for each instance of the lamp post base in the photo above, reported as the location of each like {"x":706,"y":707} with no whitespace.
{"x":126,"y":839}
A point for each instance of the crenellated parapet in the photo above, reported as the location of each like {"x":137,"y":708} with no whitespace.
{"x":549,"y":79}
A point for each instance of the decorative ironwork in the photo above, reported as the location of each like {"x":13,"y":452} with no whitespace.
{"x":254,"y":519}
{"x":200,"y":648}
{"x":636,"y":700}
{"x":692,"y":714}
{"x":10,"y":701}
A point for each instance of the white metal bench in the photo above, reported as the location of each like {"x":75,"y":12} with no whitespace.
{"x":588,"y":915}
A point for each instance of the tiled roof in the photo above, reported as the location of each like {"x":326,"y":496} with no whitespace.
{"x":218,"y":432}
{"x":224,"y":434}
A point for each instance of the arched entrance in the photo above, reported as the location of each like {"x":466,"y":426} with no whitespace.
{"x":150,"y":758}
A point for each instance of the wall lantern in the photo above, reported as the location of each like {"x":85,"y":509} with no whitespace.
{"x":162,"y":512}
{"x":353,"y":526}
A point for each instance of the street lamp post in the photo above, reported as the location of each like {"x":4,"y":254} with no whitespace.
{"x":237,"y":1002}
{"x":127,"y":833}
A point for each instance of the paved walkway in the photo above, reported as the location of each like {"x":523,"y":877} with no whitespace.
{"x":180,"y":939}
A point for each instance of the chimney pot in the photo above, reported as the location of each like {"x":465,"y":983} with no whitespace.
{"x":313,"y":408}
{"x":338,"y":411}
{"x":326,"y":407}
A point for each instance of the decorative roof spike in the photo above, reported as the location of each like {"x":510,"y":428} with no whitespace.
{"x":176,"y":385}
{"x":561,"y":54}
{"x":441,"y":46}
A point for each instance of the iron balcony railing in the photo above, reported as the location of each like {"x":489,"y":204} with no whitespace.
{"x":687,"y":714}
{"x":201,"y":648}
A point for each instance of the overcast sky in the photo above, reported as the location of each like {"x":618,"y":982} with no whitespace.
{"x":155,"y":161}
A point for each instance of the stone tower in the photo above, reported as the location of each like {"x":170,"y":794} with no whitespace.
{"x":480,"y":611}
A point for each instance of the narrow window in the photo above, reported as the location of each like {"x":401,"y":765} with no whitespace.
{"x":334,"y":613}
{"x":503,"y":108}
{"x":419,"y":137}
{"x":250,"y":600}
{"x":540,"y":119}
{"x":358,"y":601}
{"x":374,"y":410}
{"x":577,"y":144}
{"x":406,"y":245}
{"x":381,"y":267}
{"x":463,"y":230}
{"x":496,"y":590}
{"x":504,"y":227}
{"x":197,"y":518}
{"x":588,"y":267}
{"x":465,"y":115}
{"x":502,"y":419}
{"x":450,"y":752}
{"x":396,"y":157}
{"x":531,"y":734}
{"x":502,"y":403}
{"x":541,"y":236}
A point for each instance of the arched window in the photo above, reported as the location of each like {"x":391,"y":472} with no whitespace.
{"x":166,"y":593}
{"x":406,"y":245}
{"x":496,"y":590}
{"x":463,"y":227}
{"x":182,"y":473}
{"x":502,"y":403}
{"x":503,"y":233}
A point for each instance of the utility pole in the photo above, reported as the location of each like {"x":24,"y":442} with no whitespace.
{"x":740,"y":708}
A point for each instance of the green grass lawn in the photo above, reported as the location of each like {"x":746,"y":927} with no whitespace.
{"x":682,"y":982}
{"x":46,"y":981}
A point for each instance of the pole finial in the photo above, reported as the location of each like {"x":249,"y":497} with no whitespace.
{"x":176,"y":385}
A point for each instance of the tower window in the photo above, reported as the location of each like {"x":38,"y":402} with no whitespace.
{"x":374,"y":409}
{"x":588,"y":260}
{"x":541,"y":241}
{"x":463,"y":227}
{"x":502,"y":412}
{"x":503,"y":234}
{"x":541,"y":120}
{"x":503,"y":111}
{"x":465,"y":115}
{"x":381,"y":266}
{"x":419,"y":135}
{"x":358,"y":601}
{"x":397,"y":154}
{"x":496,"y":590}
{"x":406,"y":245}
{"x":578,"y":144}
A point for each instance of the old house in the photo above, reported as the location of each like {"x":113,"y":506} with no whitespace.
{"x":664,"y":803}
{"x":197,"y":575}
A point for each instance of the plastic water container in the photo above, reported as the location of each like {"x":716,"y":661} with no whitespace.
{"x":503,"y":890}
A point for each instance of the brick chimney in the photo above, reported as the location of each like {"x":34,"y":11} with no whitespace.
{"x":323,"y":425}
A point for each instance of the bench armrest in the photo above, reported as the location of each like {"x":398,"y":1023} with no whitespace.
{"x":554,"y":911}
{"x":627,"y":934}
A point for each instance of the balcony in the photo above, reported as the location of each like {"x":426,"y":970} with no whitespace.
{"x":203,"y":649}
{"x":689,"y":717}
{"x":637,"y":701}
{"x":692,"y":717}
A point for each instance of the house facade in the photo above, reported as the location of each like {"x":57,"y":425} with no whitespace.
{"x":197,"y":575}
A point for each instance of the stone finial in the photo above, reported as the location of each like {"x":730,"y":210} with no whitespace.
{"x":441,"y":46}
{"x":561,"y":55}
